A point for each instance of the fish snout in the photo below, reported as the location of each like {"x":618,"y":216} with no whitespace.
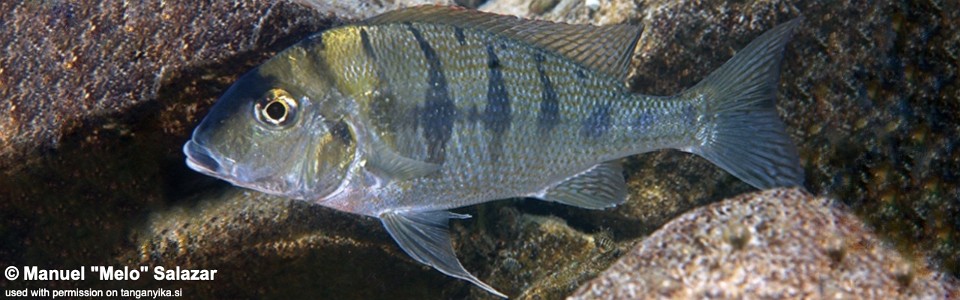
{"x":201,"y":160}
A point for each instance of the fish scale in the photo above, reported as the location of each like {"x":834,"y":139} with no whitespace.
{"x":426,"y":109}
{"x":470,"y":159}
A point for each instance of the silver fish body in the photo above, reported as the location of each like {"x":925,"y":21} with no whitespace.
{"x":427,"y":109}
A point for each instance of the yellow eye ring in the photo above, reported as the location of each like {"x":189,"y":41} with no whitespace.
{"x":277,"y":108}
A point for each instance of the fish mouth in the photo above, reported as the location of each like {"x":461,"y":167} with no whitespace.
{"x":201,"y":160}
{"x":207,"y":162}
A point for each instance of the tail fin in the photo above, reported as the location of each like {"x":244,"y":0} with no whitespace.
{"x":746,"y":137}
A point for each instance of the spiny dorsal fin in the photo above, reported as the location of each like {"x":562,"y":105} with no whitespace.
{"x":605,"y":49}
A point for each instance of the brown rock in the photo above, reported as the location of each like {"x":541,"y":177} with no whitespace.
{"x":65,"y":64}
{"x":269,"y":247}
{"x":771,"y":244}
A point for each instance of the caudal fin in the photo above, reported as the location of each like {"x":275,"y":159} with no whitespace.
{"x":744,"y":135}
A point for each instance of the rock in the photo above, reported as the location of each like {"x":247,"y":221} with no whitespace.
{"x":67,"y":66}
{"x":773,"y":244}
{"x":531,"y":256}
{"x":358,"y":10}
{"x":567,"y":11}
{"x":469,"y":3}
{"x":269,"y":247}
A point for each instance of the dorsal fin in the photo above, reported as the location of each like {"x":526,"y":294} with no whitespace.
{"x":605,"y":49}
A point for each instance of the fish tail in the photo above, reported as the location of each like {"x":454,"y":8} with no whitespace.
{"x":743,"y":133}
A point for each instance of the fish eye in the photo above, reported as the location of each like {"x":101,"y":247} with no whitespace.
{"x":277,"y":108}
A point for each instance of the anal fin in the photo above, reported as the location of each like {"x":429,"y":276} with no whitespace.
{"x":424,"y":236}
{"x":600,"y":186}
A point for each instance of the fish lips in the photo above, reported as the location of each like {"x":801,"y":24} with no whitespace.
{"x":207,"y":162}
{"x":200,"y":159}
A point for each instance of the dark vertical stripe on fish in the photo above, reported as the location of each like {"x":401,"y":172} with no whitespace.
{"x":385,"y":113}
{"x":473,"y":115}
{"x":581,"y":74}
{"x":367,"y":47}
{"x":598,"y":123}
{"x":438,"y":112}
{"x":498,"y":110}
{"x":549,"y":114}
{"x":496,"y":116}
{"x":458,"y":32}
{"x":316,"y":47}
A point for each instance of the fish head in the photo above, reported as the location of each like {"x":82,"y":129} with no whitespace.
{"x":268,"y":134}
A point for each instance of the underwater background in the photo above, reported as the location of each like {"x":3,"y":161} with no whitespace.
{"x":96,"y":100}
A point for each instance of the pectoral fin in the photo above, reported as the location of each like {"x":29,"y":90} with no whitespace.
{"x":424,"y":236}
{"x":396,"y":166}
{"x":598,"y":187}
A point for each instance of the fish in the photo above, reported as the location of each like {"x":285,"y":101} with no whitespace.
{"x":409,"y":114}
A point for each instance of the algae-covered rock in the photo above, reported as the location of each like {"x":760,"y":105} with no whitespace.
{"x":774,"y":244}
